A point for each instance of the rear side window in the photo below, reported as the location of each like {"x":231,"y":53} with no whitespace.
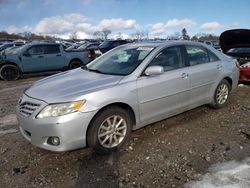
{"x":212,"y":57}
{"x":197,"y":55}
{"x":52,"y":49}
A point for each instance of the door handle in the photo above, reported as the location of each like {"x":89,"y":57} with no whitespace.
{"x":184,"y":75}
{"x":58,"y":55}
{"x":219,"y":67}
{"x":40,"y":56}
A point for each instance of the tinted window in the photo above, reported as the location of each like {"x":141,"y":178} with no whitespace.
{"x":52,"y":49}
{"x":197,"y":55}
{"x":169,"y":59}
{"x":105,"y":44}
{"x":19,"y":44}
{"x":36,"y":50}
{"x":239,"y":50}
{"x":91,"y":46}
{"x":115,"y":44}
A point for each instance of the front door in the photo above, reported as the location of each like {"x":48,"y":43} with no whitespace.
{"x":34,"y":59}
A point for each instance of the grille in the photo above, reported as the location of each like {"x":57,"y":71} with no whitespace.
{"x":28,"y":108}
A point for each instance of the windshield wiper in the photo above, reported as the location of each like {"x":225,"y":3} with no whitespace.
{"x":95,"y":70}
{"x":84,"y":67}
{"x":91,"y":70}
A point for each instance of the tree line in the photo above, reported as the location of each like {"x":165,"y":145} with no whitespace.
{"x":103,"y":35}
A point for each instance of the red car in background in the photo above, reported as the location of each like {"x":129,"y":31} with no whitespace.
{"x":236,"y":43}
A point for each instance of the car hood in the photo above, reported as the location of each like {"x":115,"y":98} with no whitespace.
{"x":70,"y":85}
{"x":236,"y":38}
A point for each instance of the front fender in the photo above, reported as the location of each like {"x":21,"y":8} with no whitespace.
{"x":12,"y":62}
{"x":124,"y":93}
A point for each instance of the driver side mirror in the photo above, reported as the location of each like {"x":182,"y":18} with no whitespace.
{"x":154,"y":70}
{"x":26,"y":54}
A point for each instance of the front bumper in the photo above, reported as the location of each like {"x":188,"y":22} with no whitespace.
{"x":245,"y":74}
{"x":71,"y":129}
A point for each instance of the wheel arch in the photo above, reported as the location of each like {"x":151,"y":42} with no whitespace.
{"x":75,"y":59}
{"x":230,"y":81}
{"x":122,"y":105}
{"x":11,"y":63}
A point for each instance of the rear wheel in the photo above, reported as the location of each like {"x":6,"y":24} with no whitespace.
{"x":9,"y":72}
{"x":221,"y":94}
{"x":75,"y":64}
{"x":109,"y":130}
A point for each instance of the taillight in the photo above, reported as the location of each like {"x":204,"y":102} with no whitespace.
{"x":89,"y":55}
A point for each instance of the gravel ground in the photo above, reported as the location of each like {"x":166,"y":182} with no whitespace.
{"x":169,"y":153}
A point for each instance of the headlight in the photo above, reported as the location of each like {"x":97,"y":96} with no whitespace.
{"x":245,"y":65}
{"x":55,"y":110}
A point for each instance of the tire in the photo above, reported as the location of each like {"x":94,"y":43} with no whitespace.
{"x":221,"y":95}
{"x":75,"y":64}
{"x":9,"y":72}
{"x":103,"y":136}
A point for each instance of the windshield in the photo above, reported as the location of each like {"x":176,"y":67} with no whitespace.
{"x":21,"y":48}
{"x":82,"y":47}
{"x":105,"y":44}
{"x":121,"y":61}
{"x":73,"y":47}
{"x":239,"y":50}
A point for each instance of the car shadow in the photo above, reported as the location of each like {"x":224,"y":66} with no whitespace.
{"x":98,"y":171}
{"x":41,"y":74}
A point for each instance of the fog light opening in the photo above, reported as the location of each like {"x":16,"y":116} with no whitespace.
{"x":53,"y":140}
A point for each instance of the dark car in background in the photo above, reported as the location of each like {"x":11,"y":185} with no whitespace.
{"x":5,"y":46}
{"x":89,"y":47}
{"x":236,"y":43}
{"x":110,"y":44}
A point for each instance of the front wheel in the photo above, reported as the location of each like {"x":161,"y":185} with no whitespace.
{"x":221,"y":94}
{"x":109,"y":130}
{"x":9,"y":72}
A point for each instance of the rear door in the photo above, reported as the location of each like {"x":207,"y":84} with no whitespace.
{"x":166,"y":94}
{"x":204,"y":70}
{"x":54,"y":57}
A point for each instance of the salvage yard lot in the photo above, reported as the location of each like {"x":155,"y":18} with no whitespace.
{"x":168,"y":153}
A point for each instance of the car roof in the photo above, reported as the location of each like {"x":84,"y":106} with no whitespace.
{"x":163,"y":43}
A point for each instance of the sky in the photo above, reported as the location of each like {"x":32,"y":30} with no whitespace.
{"x":159,"y":18}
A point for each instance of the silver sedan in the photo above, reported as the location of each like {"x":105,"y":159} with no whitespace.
{"x":131,"y":86}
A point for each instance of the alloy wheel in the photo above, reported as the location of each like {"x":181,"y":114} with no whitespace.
{"x":222,"y":94}
{"x":112,"y":131}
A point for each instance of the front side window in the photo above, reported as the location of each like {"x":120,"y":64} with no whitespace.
{"x":36,"y":50}
{"x":169,"y":58}
{"x":122,"y":61}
